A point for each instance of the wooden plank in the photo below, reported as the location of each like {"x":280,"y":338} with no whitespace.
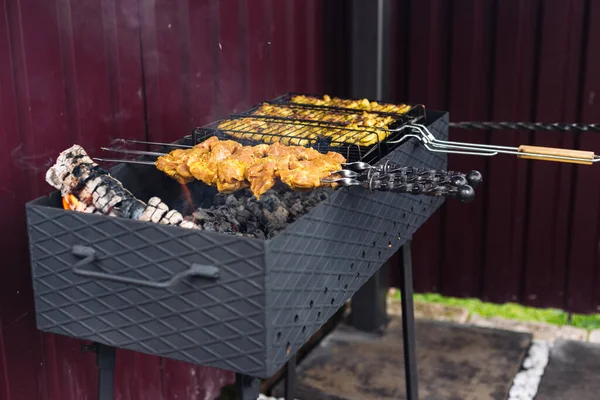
{"x":256,"y":42}
{"x":33,"y":129}
{"x":505,"y":217}
{"x":314,"y":36}
{"x":428,"y":77}
{"x":203,"y":56}
{"x":583,"y":272}
{"x":279,"y":49}
{"x":399,"y":51}
{"x":186,"y":381}
{"x":232,"y":79}
{"x":137,"y":376}
{"x":4,"y":383}
{"x":164,"y":34}
{"x":299,"y":45}
{"x":470,"y":83}
{"x":549,"y":208}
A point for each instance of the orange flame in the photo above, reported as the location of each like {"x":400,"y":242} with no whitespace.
{"x":70,"y":202}
{"x":188,"y":197}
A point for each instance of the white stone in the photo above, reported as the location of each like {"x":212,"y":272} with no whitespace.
{"x":595,"y":336}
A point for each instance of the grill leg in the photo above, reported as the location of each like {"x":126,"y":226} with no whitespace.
{"x":248,"y":388}
{"x":290,"y":379}
{"x":105,"y":359}
{"x":408,"y":325}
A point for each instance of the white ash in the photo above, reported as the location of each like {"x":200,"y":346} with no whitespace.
{"x":242,"y":214}
{"x":526,"y":382}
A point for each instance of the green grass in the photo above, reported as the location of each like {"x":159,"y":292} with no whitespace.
{"x":512,"y":311}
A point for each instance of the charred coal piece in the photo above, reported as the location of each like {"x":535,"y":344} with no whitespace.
{"x":242,"y":214}
{"x":88,"y":188}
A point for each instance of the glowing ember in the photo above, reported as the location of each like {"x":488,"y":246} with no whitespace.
{"x":187,"y":195}
{"x":70,"y":202}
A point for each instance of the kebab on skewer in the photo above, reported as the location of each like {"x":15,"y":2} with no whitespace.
{"x":230,"y":166}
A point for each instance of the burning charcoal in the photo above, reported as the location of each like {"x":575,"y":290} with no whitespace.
{"x":224,"y":227}
{"x":288,"y":197}
{"x":277,"y":219}
{"x":270,"y":202}
{"x":252,"y":227}
{"x":231,"y":201}
{"x":209,"y":226}
{"x":243,"y":217}
{"x":219,"y":200}
{"x":255,"y":209}
{"x":188,"y":225}
{"x":296,"y":209}
{"x":202,"y":215}
{"x":173,"y":217}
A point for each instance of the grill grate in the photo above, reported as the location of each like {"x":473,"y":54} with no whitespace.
{"x":322,"y":137}
{"x":324,"y":128}
{"x":412,"y":114}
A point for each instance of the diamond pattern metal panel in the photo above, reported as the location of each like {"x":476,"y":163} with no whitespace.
{"x":320,"y":261}
{"x":271,"y":295}
{"x":210,"y":323}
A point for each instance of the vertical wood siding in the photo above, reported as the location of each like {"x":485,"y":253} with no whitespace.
{"x":531,"y":236}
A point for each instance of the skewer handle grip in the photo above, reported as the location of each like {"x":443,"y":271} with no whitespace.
{"x":578,"y":156}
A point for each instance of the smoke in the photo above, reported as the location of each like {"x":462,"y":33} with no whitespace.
{"x":35,"y":163}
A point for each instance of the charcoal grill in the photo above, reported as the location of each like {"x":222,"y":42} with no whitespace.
{"x":261,"y":301}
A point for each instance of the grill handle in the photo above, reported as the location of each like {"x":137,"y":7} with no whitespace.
{"x":89,"y":256}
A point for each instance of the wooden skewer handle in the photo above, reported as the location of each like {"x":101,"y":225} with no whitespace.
{"x":585,"y":157}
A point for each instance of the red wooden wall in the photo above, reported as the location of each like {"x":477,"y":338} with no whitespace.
{"x":531,"y":236}
{"x":90,"y":71}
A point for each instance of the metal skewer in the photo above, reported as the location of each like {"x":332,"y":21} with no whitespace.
{"x":421,"y":133}
{"x":124,"y":161}
{"x":136,"y":152}
{"x":182,"y":146}
{"x":527,"y":126}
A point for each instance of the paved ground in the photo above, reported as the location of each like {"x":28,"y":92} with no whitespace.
{"x":573,"y":372}
{"x":455,"y":363}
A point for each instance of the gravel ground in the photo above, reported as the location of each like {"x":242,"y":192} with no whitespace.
{"x":527,"y":381}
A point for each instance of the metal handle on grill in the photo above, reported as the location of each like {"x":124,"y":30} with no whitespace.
{"x":89,"y":255}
